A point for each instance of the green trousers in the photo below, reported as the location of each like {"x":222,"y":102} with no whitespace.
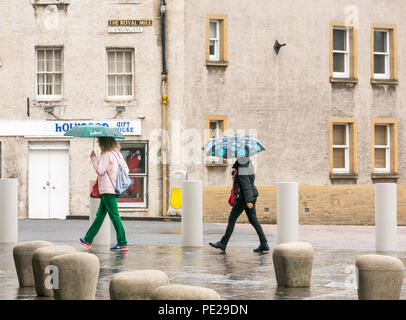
{"x":108,"y":204}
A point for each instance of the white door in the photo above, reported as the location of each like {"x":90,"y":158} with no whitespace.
{"x":48,"y":184}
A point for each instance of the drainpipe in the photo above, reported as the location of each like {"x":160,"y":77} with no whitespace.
{"x":164,"y":102}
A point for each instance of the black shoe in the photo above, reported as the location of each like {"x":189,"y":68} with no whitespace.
{"x":262,"y":248}
{"x":218,"y":245}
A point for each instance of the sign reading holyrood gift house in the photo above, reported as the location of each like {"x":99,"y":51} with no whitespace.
{"x":127,"y":26}
{"x":46,"y":128}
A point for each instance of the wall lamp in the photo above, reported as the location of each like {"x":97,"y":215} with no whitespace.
{"x":277,"y":46}
{"x":49,"y":109}
{"x":120,"y":108}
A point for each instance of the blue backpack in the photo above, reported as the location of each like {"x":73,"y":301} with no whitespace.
{"x":123,"y":180}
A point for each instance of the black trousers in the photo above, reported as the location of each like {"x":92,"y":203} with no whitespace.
{"x":238,"y":207}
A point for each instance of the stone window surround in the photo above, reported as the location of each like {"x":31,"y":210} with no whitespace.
{"x":223,"y":62}
{"x":394,"y":157}
{"x":353,"y":161}
{"x":353,"y":68}
{"x":209,"y":118}
{"x":393,"y":59}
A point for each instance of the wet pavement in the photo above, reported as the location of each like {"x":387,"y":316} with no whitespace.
{"x":238,"y":274}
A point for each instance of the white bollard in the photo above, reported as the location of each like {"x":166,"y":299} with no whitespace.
{"x":287,"y":212}
{"x":8,"y":210}
{"x":192,"y":214}
{"x":103,"y":236}
{"x":385,"y":217}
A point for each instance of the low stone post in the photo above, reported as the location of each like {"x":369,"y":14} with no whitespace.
{"x":380,"y":277}
{"x":182,"y":292}
{"x":136,"y":285}
{"x":78,"y":276}
{"x":43,"y":271}
{"x":293,"y":263}
{"x":22,"y":254}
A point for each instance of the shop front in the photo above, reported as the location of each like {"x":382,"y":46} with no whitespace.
{"x":50,"y":170}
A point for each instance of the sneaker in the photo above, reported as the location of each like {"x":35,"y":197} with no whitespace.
{"x":84,"y":243}
{"x":262,"y":248}
{"x":218,"y":245}
{"x":119,"y":248}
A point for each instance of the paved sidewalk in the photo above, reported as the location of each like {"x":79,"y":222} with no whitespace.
{"x":238,"y":274}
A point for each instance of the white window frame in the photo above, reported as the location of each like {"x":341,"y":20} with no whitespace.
{"x":37,"y":72}
{"x":346,"y":53}
{"x":387,"y":148}
{"x":124,"y":50}
{"x":216,"y":55}
{"x":218,"y":128}
{"x":346,"y":148}
{"x":138,"y":175}
{"x":218,"y":122}
{"x":385,"y":75}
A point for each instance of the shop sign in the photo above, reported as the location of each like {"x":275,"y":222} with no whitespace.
{"x":46,"y":128}
{"x":127,"y":26}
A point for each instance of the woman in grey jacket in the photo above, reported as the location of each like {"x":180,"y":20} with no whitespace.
{"x":245,"y":198}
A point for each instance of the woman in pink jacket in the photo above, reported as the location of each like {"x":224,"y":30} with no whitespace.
{"x":106,"y":168}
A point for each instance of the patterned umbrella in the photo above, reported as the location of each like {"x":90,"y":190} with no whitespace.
{"x":233,"y":146}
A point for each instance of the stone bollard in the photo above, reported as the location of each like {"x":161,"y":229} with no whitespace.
{"x":182,"y":292}
{"x":192,"y":214}
{"x":40,"y":262}
{"x":8,"y":210}
{"x":379,"y":277}
{"x":78,"y":275}
{"x":293,"y":263}
{"x":22,"y":254}
{"x":136,"y":285}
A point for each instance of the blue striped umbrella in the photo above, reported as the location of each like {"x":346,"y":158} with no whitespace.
{"x":234,"y":146}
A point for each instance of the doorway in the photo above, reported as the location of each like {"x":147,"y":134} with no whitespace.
{"x":48,"y":180}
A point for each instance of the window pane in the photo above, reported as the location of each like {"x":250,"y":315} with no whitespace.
{"x":120,"y":90}
{"x":212,"y":47}
{"x":381,"y":136}
{"x":41,"y":55}
{"x":119,"y":56}
{"x":135,"y":193}
{"x":58,"y":54}
{"x":380,"y":158}
{"x":379,"y":64}
{"x":40,"y":78}
{"x":339,"y":158}
{"x":40,"y":90}
{"x":127,"y":68}
{"x":57,"y":78}
{"x":128,"y":56}
{"x":339,"y":135}
{"x":128,"y":86}
{"x":213,"y":29}
{"x":339,"y":62}
{"x":41,"y":65}
{"x":48,"y":89}
{"x":380,"y":41}
{"x":213,"y":129}
{"x":49,"y":78}
{"x":58,"y":65}
{"x":119,"y":67}
{"x":49,"y":60}
{"x":339,"y":40}
{"x":134,"y":155}
{"x":111,"y":56}
{"x":57,"y":89}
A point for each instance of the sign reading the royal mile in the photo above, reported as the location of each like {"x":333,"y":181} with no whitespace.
{"x":127,"y":26}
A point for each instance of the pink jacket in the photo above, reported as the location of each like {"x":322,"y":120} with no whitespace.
{"x":106,"y":169}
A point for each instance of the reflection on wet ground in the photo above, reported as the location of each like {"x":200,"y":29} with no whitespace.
{"x":235,"y":275}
